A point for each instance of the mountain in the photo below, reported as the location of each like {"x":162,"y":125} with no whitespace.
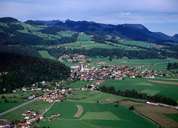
{"x":175,"y":37}
{"x":32,"y":32}
{"x":8,"y":20}
{"x":128,"y":31}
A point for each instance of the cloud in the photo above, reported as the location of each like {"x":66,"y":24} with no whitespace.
{"x":147,"y":12}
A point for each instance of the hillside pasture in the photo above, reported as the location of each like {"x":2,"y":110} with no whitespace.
{"x":44,"y":54}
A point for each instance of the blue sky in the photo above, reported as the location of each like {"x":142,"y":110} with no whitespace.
{"x":157,"y":15}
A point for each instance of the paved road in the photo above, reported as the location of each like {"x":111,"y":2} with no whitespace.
{"x":19,"y":106}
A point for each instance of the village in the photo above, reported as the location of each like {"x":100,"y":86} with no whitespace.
{"x":116,"y":72}
{"x":74,"y":58}
{"x":82,"y":70}
{"x":55,"y":95}
{"x":51,"y":97}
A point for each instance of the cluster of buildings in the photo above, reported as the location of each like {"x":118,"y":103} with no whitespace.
{"x":55,"y":96}
{"x":74,"y":58}
{"x":92,"y":86}
{"x":29,"y":118}
{"x":5,"y":124}
{"x":3,"y":73}
{"x":82,"y":72}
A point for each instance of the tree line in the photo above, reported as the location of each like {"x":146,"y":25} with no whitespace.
{"x":138,"y":95}
{"x":171,"y":66}
{"x":115,"y":52}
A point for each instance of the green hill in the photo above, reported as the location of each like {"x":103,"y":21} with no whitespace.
{"x":18,"y":71}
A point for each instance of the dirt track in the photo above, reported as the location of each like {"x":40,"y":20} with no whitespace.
{"x":164,"y":82}
{"x":79,"y":111}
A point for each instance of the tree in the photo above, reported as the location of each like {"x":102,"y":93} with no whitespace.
{"x":110,"y":58}
{"x":131,"y":108}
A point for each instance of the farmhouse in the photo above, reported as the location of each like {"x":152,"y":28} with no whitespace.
{"x":29,"y":118}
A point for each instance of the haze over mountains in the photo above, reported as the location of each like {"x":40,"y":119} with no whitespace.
{"x":14,"y":31}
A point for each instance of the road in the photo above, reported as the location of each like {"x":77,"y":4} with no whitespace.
{"x":19,"y":106}
{"x":48,"y":108}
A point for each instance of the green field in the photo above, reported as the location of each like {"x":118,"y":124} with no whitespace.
{"x":93,"y":97}
{"x":173,"y":117}
{"x":145,"y":86}
{"x":46,"y":55}
{"x":95,"y":116}
{"x":138,"y":44}
{"x":38,"y":106}
{"x":84,"y":37}
{"x":99,"y":116}
{"x":11,"y":100}
{"x":155,"y":64}
{"x":5,"y":106}
{"x":86,"y":45}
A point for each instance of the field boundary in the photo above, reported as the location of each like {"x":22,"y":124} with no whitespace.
{"x":147,"y":118}
{"x":164,"y":82}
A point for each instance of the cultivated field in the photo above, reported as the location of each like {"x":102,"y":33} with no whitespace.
{"x":150,"y":87}
{"x":37,"y":105}
{"x":166,"y":117}
{"x":141,"y":64}
{"x":8,"y":101}
{"x":95,"y":115}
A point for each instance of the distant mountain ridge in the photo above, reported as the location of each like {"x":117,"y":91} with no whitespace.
{"x":10,"y":31}
{"x":175,"y":37}
{"x":129,"y":31}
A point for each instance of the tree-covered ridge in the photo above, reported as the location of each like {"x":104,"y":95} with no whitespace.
{"x":13,"y":31}
{"x":172,"y":66}
{"x":127,"y":31}
{"x":18,"y":71}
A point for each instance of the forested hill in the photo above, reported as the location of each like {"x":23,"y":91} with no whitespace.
{"x":17,"y":71}
{"x":31,"y":32}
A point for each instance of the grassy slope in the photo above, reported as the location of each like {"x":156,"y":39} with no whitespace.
{"x":44,"y":54}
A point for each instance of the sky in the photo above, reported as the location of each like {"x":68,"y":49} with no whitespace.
{"x":156,"y":15}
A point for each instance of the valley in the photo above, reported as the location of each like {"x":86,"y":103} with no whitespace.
{"x":78,"y":75}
